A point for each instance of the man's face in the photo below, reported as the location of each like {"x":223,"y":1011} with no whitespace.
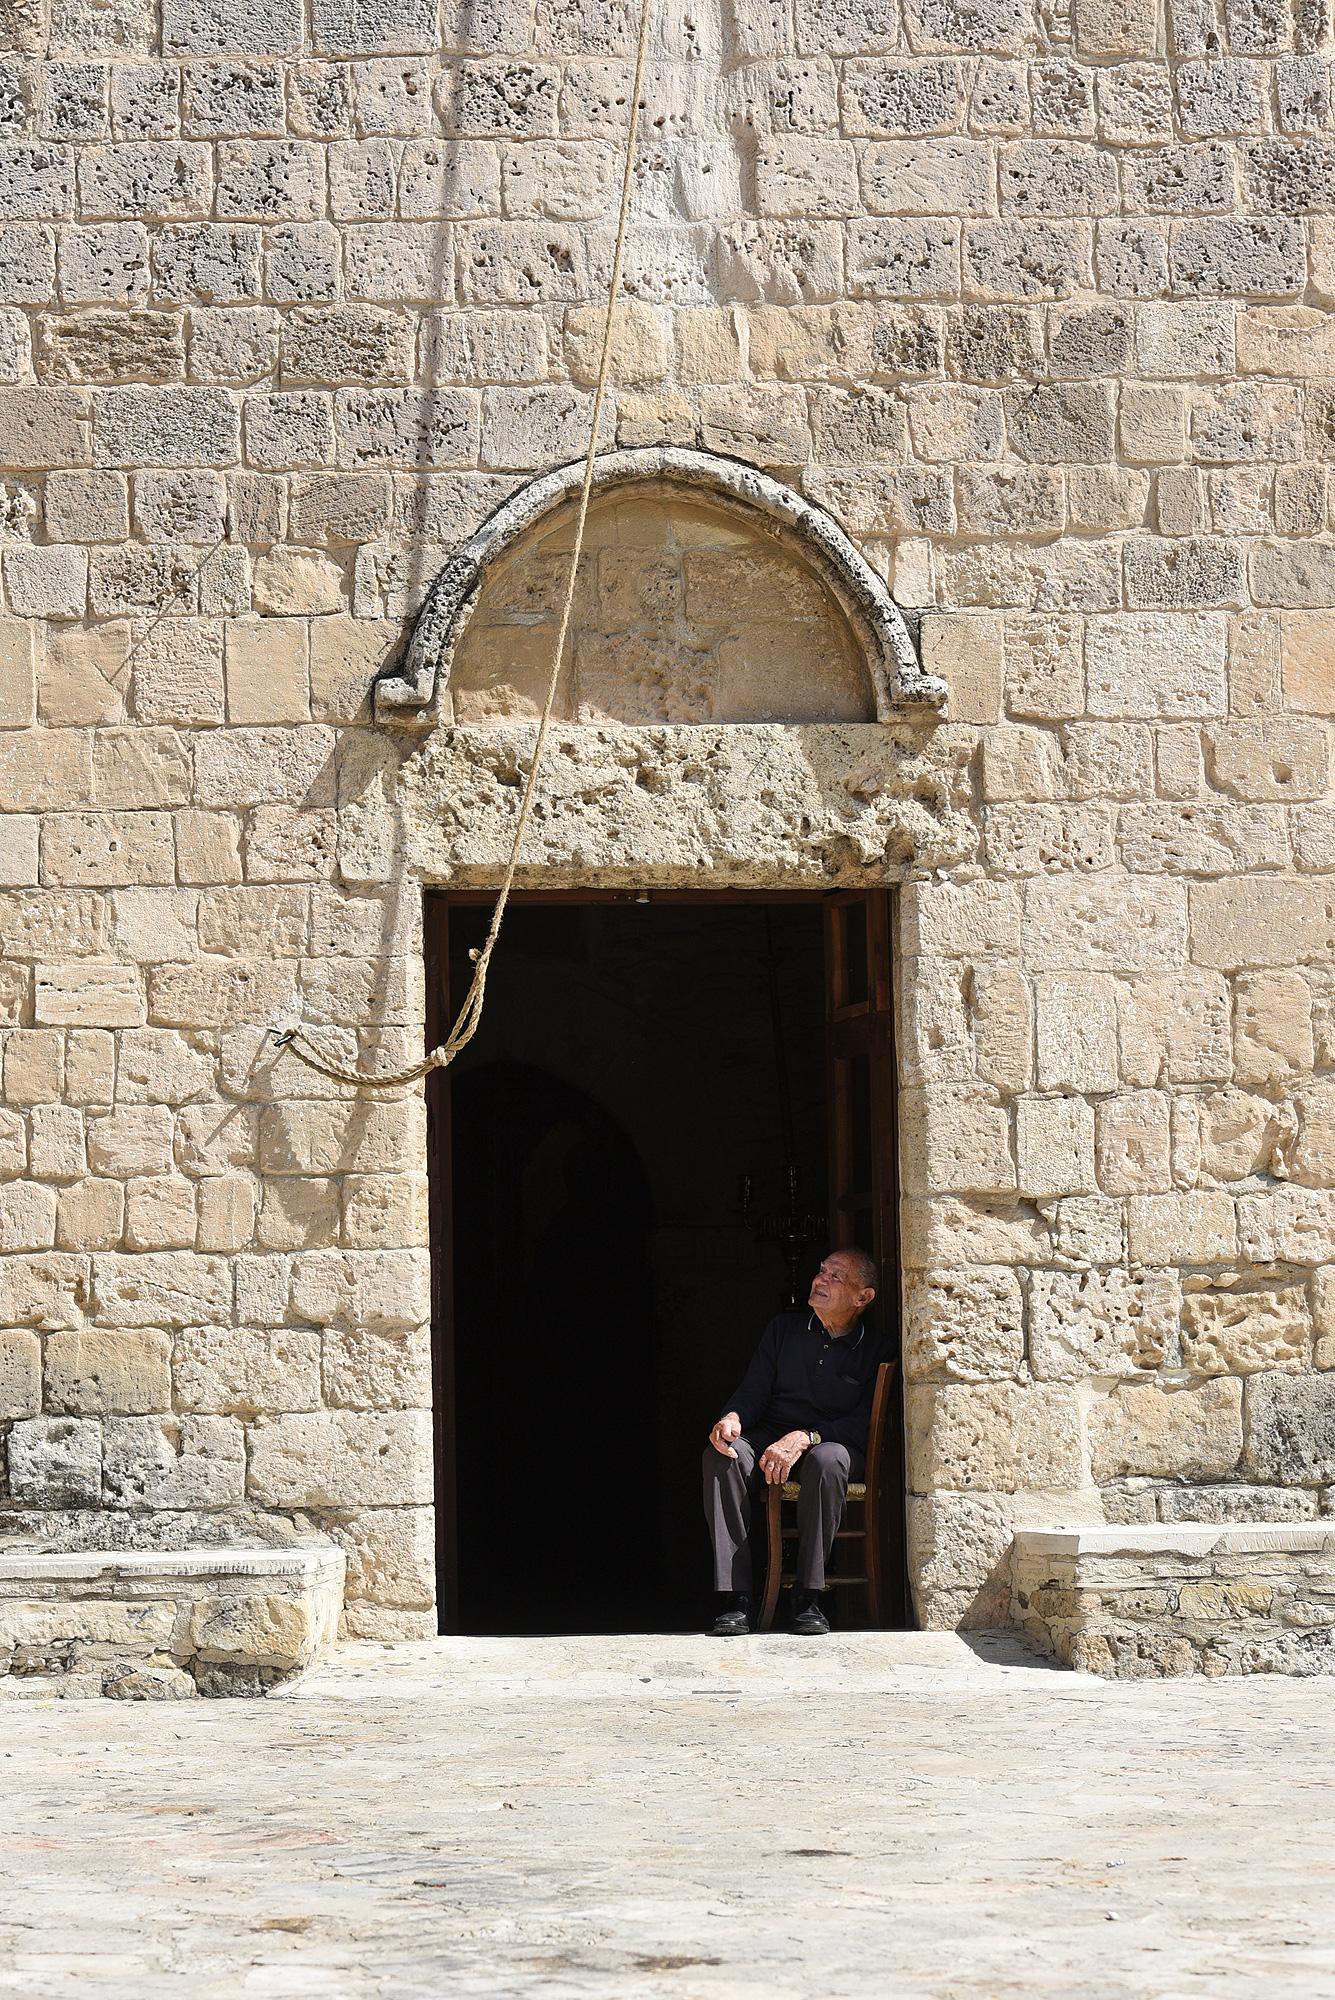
{"x":835,"y":1293}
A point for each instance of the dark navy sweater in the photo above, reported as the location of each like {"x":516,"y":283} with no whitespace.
{"x":803,"y":1379}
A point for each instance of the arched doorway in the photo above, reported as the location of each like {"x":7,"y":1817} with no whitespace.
{"x":554,"y":1363}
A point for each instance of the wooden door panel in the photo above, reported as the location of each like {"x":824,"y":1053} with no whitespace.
{"x":436,"y":945}
{"x":863,"y":1123}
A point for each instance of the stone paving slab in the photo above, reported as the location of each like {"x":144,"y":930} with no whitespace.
{"x":643,"y":1666}
{"x":499,"y":1818}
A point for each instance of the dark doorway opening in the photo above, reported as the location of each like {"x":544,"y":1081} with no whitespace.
{"x":613,"y":1155}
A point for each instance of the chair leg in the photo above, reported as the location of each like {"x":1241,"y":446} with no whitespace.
{"x":774,"y":1523}
{"x":872,"y":1545}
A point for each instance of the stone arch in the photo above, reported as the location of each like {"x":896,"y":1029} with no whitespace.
{"x":775,"y":516}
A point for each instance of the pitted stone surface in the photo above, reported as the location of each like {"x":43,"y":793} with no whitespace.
{"x":533,"y":1813}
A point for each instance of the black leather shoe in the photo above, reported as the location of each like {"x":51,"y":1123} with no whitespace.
{"x":734,"y":1620}
{"x":808,"y":1618}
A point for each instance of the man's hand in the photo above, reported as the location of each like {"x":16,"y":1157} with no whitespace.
{"x":778,"y":1459}
{"x":724,"y":1431}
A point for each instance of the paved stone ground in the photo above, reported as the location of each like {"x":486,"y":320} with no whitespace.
{"x":898,"y":1814}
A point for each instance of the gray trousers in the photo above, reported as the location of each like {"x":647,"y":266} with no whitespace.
{"x":732,"y":1485}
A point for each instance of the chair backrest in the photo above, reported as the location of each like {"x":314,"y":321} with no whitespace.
{"x":880,"y":1404}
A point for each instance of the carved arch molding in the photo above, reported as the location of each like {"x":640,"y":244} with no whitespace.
{"x":809,"y":802}
{"x":897,"y":677}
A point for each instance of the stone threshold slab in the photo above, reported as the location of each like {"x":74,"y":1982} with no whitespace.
{"x":675,"y":1666}
{"x":1177,"y":1538}
{"x":167,"y":1625}
{"x":146,"y":1565}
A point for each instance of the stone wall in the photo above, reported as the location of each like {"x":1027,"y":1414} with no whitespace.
{"x":1142,"y":1603}
{"x":1039,"y":302}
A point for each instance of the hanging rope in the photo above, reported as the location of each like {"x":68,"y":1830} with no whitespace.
{"x":470,"y":1014}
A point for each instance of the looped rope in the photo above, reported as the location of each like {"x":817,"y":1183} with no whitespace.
{"x":470,"y":1014}
{"x":289,"y":1038}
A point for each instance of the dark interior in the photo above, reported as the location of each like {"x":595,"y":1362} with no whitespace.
{"x":608,"y":1287}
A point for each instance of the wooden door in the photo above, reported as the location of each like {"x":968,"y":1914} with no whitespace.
{"x":439,"y":1019}
{"x":864,"y":1188}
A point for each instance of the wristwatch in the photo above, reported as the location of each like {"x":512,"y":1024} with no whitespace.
{"x":814,"y":1436}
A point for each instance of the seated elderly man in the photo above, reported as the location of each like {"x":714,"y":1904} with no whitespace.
{"x":801,"y":1412}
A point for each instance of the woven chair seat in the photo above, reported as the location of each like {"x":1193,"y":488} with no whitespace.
{"x":792,"y":1487}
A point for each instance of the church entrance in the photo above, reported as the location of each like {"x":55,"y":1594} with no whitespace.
{"x":674,"y":1105}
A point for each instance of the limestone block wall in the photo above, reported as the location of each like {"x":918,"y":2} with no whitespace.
{"x":1038,"y":299}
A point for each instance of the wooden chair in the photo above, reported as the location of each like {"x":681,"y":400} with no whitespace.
{"x":865,"y":1494}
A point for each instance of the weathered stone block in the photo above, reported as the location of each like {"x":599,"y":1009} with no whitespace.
{"x":177,"y":1462}
{"x":1086,"y":1323}
{"x":1154,"y":665}
{"x":1184,"y":1433}
{"x":1258,"y":922}
{"x":1308,"y":657}
{"x":151,"y":426}
{"x":968,"y":652}
{"x":88,"y":993}
{"x":225,"y":1212}
{"x":1184,"y":572}
{"x":90,"y":1215}
{"x":306,"y":1138}
{"x":342,"y":1458}
{"x":164,"y":1288}
{"x":1296,"y":575}
{"x":952,"y":177}
{"x":1012,"y":259}
{"x":965,"y":1326}
{"x":391,"y":1557}
{"x":1051,"y":177}
{"x":1077,"y":1032}
{"x":1238,"y":1332}
{"x":1246,"y":256}
{"x":373,"y":1290}
{"x":213,"y":1138}
{"x":1290,"y":1428}
{"x":97,"y":1373}
{"x":56,"y":1462}
{"x":107,"y":850}
{"x":1104,"y":924}
{"x":159,"y":1213}
{"x":1131,"y":1144}
{"x":1054,"y":1145}
{"x":1272,"y":1033}
{"x":1313,"y":1157}
{"x":385,"y":1211}
{"x":298,"y":1214}
{"x":234,"y":27}
{"x":373,"y":1368}
{"x":20,"y":1373}
{"x":994,"y":1437}
{"x":956,"y":1139}
{"x":344,"y":659}
{"x":43,"y":427}
{"x":133,"y":1139}
{"x":1182,"y":1229}
{"x":27,"y":1216}
{"x":960,"y":1549}
{"x":244,"y":1371}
